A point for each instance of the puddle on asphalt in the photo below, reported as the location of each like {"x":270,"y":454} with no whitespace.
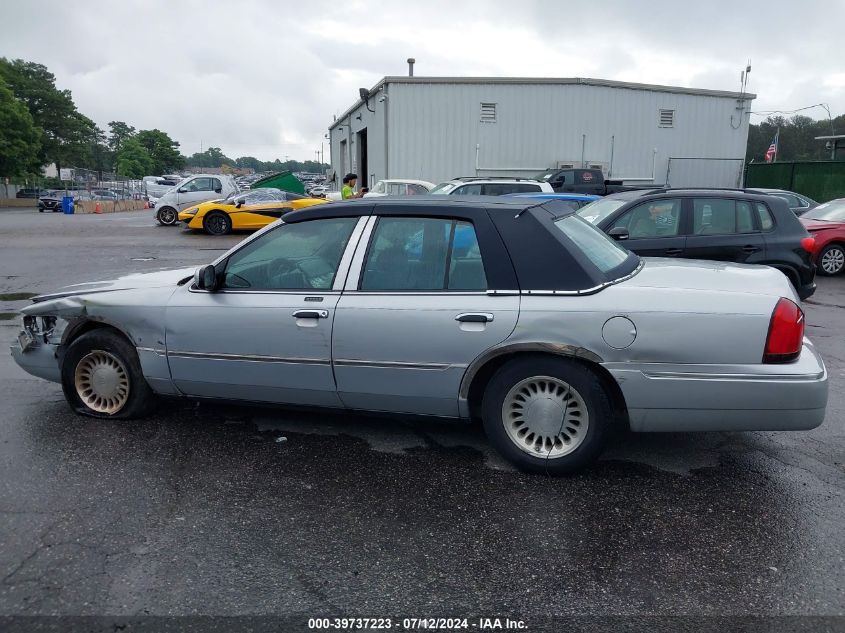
{"x":17,"y":296}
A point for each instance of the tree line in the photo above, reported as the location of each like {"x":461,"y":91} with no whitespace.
{"x":40,"y":124}
{"x":796,"y":139}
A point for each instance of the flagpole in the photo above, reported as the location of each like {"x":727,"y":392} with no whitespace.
{"x":777,"y":145}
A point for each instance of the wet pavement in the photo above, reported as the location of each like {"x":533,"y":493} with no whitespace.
{"x":225,"y":510}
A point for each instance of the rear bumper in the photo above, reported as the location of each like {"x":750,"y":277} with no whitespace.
{"x":662,"y":397}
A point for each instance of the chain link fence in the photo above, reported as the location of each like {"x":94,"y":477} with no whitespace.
{"x":83,"y":183}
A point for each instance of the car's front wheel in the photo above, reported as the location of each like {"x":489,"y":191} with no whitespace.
{"x":167,"y":216}
{"x":832,"y":259}
{"x":101,"y":377}
{"x":217,"y":223}
{"x":547,"y":415}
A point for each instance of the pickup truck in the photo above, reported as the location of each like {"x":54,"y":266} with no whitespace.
{"x":589,"y":181}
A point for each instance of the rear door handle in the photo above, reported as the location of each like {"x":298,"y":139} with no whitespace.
{"x":674,"y":251}
{"x":474,"y":317}
{"x":749,"y":248}
{"x":311,"y":314}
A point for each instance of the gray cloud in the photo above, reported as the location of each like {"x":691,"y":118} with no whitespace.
{"x":264,"y":78}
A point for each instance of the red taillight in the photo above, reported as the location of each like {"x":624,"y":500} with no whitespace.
{"x":786,"y":333}
{"x":808,"y":243}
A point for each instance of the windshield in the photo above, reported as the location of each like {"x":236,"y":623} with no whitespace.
{"x":545,"y":175}
{"x":833,"y":211}
{"x":598,"y":210}
{"x":443,"y":188}
{"x":600,"y":249}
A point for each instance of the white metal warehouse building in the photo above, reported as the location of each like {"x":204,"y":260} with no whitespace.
{"x":437,"y":128}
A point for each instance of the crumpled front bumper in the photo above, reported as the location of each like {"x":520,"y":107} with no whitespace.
{"x":40,"y":359}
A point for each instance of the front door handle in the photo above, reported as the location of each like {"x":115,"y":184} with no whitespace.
{"x":674,"y":251}
{"x":750,"y":248}
{"x":474,"y":317}
{"x":311,"y":314}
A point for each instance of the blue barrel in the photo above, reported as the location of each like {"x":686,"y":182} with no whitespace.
{"x":67,"y":204}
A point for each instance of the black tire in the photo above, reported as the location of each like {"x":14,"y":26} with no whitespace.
{"x":167,"y":216}
{"x":108,"y":344}
{"x":582,"y":381}
{"x":832,"y":260}
{"x":217,"y":223}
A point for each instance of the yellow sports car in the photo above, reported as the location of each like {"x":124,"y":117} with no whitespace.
{"x":245,"y":210}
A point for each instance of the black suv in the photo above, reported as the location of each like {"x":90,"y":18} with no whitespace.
{"x":725,"y":225}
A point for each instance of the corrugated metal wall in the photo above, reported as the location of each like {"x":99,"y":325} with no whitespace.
{"x":434,"y":129}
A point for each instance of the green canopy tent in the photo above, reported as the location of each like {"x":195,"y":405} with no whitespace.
{"x":284,"y":180}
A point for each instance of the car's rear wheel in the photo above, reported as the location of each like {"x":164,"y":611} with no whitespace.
{"x":547,"y":415}
{"x":217,"y":223}
{"x":167,"y":216}
{"x":102,"y":378}
{"x":832,"y":259}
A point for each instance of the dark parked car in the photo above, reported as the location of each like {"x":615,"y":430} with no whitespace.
{"x":52,"y":201}
{"x":28,"y":193}
{"x":588,"y":181}
{"x":719,"y":224}
{"x":799,"y":203}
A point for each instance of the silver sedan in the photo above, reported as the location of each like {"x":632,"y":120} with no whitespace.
{"x":513,"y":311}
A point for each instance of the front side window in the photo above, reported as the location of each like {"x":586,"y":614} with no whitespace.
{"x":299,"y":256}
{"x":419,"y":254}
{"x":198,"y":184}
{"x":600,"y":249}
{"x":717,"y":216}
{"x":656,"y":218}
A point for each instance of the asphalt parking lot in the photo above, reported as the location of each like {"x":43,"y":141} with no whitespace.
{"x":225,"y":510}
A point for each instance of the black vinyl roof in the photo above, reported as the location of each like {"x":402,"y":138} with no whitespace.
{"x":520,"y":246}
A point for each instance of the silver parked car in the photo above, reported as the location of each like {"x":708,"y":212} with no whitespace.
{"x":515,"y":311}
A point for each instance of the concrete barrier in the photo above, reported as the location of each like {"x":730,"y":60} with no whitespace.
{"x":18,"y":202}
{"x":107,"y":206}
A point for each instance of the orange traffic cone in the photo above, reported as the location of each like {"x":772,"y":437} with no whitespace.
{"x":146,"y":204}
{"x":98,"y":208}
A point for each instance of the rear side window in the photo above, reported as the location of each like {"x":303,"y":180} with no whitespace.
{"x":505,"y":188}
{"x":419,"y":254}
{"x":467,"y":190}
{"x":604,"y":252}
{"x":766,"y":221}
{"x":717,"y":216}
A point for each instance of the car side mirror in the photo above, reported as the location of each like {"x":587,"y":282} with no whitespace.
{"x":618,"y":233}
{"x":181,"y":190}
{"x":205,"y":278}
{"x":239,"y":204}
{"x":218,"y":190}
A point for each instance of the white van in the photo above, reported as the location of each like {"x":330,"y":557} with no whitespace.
{"x":192,"y":191}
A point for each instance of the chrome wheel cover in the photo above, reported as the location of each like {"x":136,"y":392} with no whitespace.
{"x":833,"y":260}
{"x":545,"y":417}
{"x":167,"y":215}
{"x":102,"y":382}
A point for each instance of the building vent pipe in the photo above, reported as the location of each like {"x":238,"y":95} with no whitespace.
{"x":411,"y":62}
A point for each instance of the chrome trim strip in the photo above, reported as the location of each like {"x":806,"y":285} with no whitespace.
{"x":348,"y":253}
{"x":251,"y":358}
{"x":160,"y":352}
{"x":586,"y":291}
{"x":503,"y":292}
{"x":357,"y":263}
{"x":350,"y":362}
{"x":417,"y":293}
{"x":685,"y":375}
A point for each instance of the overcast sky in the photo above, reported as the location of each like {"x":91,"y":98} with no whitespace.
{"x":264,"y":77}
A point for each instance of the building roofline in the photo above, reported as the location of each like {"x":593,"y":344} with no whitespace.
{"x":561,"y":81}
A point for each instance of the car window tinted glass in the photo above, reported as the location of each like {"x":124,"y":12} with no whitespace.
{"x":416,"y":190}
{"x":415,"y":254}
{"x":717,"y":216}
{"x":833,"y":211}
{"x":791,"y":200}
{"x":600,"y":249}
{"x":655,"y":218}
{"x":765,"y":216}
{"x":598,"y":210}
{"x":443,"y":188}
{"x":467,"y":190}
{"x":300,"y":256}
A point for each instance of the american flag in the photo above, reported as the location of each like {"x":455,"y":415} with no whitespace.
{"x":773,"y":148}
